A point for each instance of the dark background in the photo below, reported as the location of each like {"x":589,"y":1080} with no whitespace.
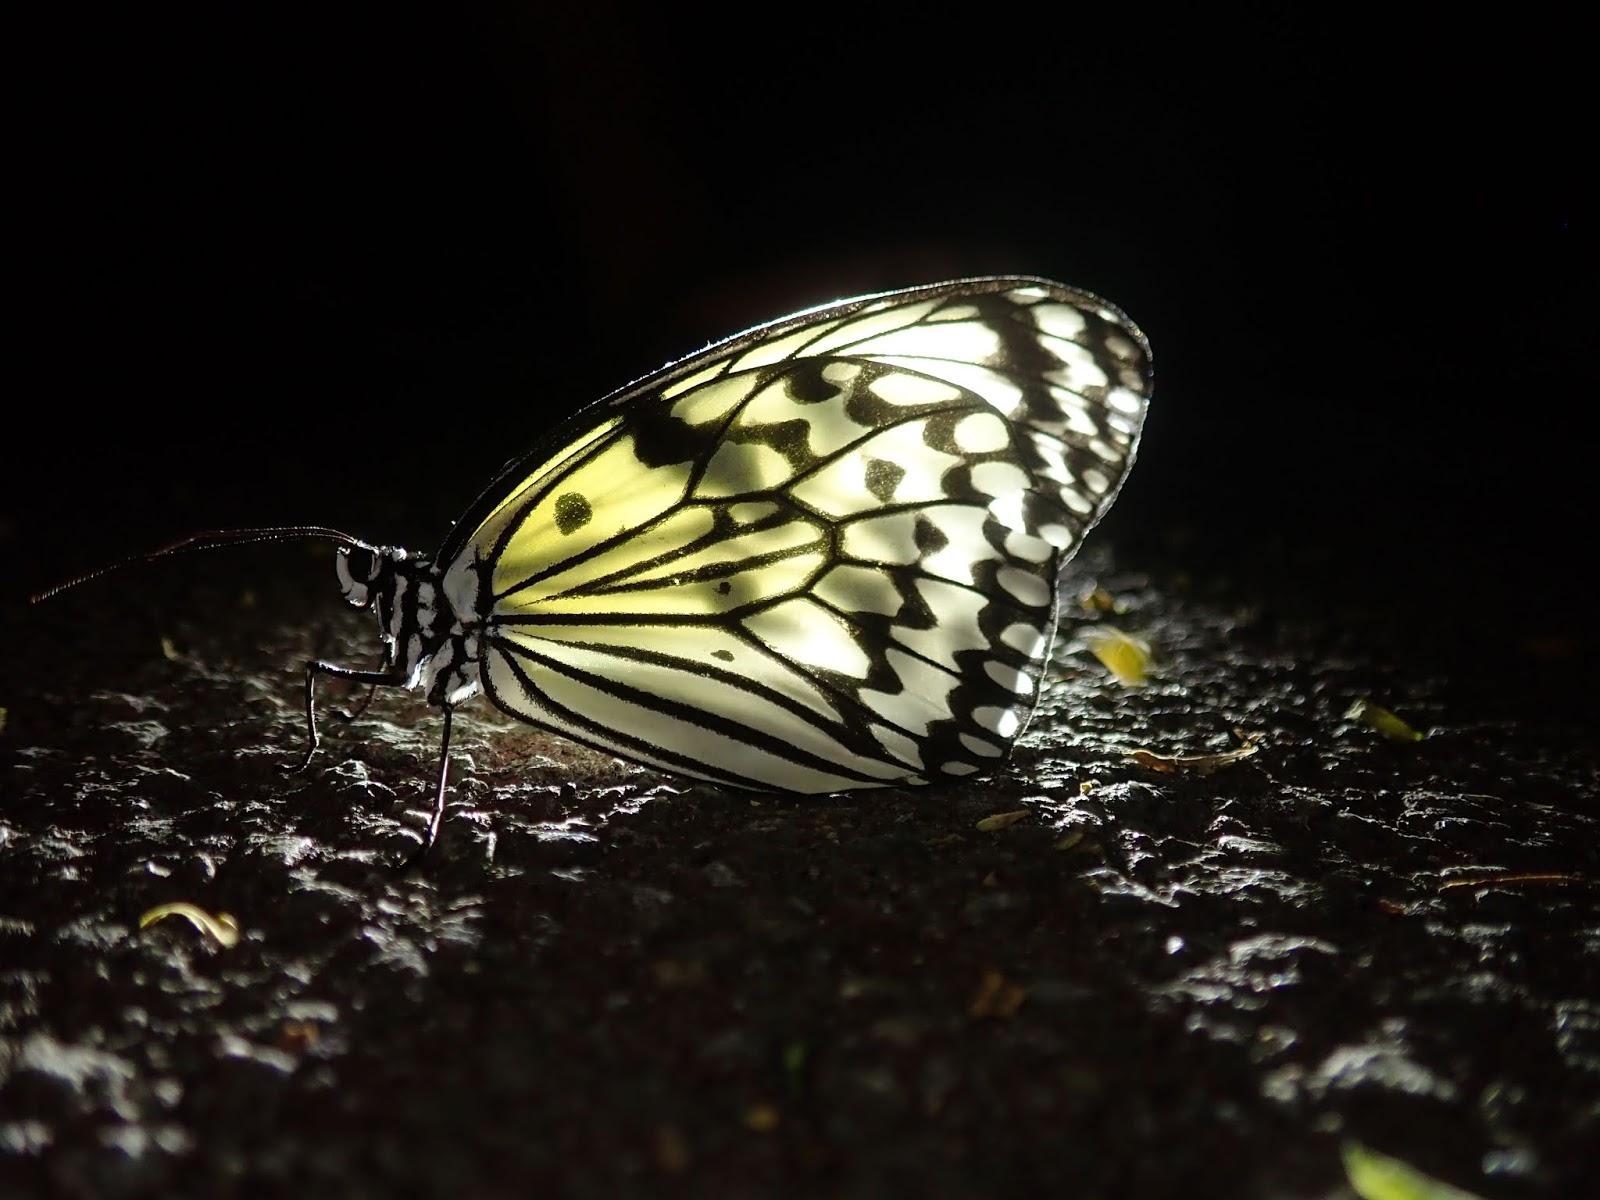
{"x":335,"y":267}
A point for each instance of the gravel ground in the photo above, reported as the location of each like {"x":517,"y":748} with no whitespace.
{"x":607,"y":983}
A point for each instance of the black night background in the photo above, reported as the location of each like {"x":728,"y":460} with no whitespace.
{"x":336,"y":269}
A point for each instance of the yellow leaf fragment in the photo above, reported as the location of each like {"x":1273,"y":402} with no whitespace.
{"x":997,"y":996}
{"x":1125,"y":656}
{"x":222,"y":927}
{"x":169,"y":649}
{"x":1101,"y":601}
{"x":1000,"y":820}
{"x":1200,"y":764}
{"x":298,"y":1036}
{"x":762,"y":1117}
{"x":2,"y":720}
{"x":1376,"y":1176}
{"x":1381,"y":719}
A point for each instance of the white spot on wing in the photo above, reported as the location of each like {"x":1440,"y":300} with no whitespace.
{"x":1028,"y":639}
{"x":981,"y":433}
{"x":1002,"y":722}
{"x":978,"y":746}
{"x":1026,"y":587}
{"x":996,"y":478}
{"x":1027,"y":547}
{"x":1058,"y":536}
{"x":1060,"y":320}
{"x":1125,"y":401}
{"x":1009,"y":678}
{"x":903,"y":387}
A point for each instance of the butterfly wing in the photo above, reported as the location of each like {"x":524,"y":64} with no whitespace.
{"x":821,"y":554}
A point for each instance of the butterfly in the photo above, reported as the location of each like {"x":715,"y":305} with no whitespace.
{"x":821,"y":554}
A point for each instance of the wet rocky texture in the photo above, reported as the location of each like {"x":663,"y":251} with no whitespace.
{"x":607,"y":983}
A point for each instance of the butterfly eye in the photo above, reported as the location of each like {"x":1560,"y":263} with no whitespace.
{"x":357,"y":567}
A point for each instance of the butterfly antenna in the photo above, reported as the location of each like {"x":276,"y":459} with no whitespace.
{"x":211,"y":539}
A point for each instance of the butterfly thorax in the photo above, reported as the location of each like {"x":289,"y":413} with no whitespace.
{"x":428,"y":642}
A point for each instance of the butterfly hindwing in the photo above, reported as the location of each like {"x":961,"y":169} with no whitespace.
{"x":821,"y":554}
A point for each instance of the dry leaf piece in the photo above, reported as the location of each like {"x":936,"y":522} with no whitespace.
{"x":222,"y":927}
{"x":1517,"y":878}
{"x":1000,"y":820}
{"x":1200,"y":764}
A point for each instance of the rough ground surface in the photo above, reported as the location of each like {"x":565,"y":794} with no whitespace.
{"x":604,"y":983}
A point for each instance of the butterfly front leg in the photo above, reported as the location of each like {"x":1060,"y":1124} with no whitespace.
{"x":390,"y":677}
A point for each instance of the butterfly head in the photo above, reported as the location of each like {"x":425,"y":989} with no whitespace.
{"x":366,"y":573}
{"x":421,"y":640}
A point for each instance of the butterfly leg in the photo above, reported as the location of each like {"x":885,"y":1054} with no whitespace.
{"x":313,"y":669}
{"x":437,"y":819}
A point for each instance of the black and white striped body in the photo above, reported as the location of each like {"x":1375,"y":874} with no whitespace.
{"x":428,"y":642}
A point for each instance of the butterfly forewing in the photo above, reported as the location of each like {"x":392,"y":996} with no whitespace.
{"x":822,"y":554}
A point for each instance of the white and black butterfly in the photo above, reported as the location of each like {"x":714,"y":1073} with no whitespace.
{"x":819,"y":555}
